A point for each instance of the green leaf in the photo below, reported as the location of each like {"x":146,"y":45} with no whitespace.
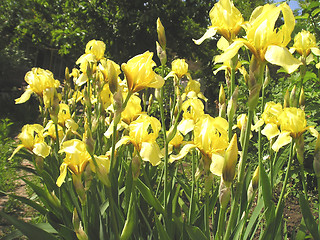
{"x":315,"y":12}
{"x":149,"y":197}
{"x":195,"y":233}
{"x":29,"y":202}
{"x":308,"y":217}
{"x":31,"y":231}
{"x":266,"y":188}
{"x":252,"y":225}
{"x":162,"y":232}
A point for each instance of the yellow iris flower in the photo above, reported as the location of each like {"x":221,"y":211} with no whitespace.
{"x":305,"y":43}
{"x":97,"y":48}
{"x":193,"y":90}
{"x":139,"y":73}
{"x":226,"y":20}
{"x":211,"y":139}
{"x":270,"y":117}
{"x":39,"y":80}
{"x":266,"y":42}
{"x":143,"y":133}
{"x":32,"y":138}
{"x":293,"y":124}
{"x":76,"y":159}
{"x":193,"y":109}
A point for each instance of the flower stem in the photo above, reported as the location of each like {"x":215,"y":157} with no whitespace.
{"x":221,"y":223}
{"x":239,"y":185}
{"x":285,"y":179}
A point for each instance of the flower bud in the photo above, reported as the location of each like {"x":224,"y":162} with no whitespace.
{"x":254,"y":184}
{"x":232,"y":104}
{"x":161,"y":53}
{"x":222,"y":95}
{"x":77,"y":226}
{"x":293,"y":97}
{"x":118,"y":102}
{"x":67,"y":74}
{"x":136,"y":164}
{"x":161,"y":34}
{"x":302,"y":99}
{"x":39,"y":162}
{"x":157,"y":93}
{"x":230,"y":161}
{"x":267,"y":77}
{"x":208,"y":182}
{"x":103,"y":168}
{"x":286,"y":101}
{"x":79,"y":187}
{"x":224,"y":195}
{"x":112,"y":77}
{"x":300,"y":148}
{"x":87,"y":138}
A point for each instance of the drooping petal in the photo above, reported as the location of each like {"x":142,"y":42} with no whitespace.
{"x":270,"y":130}
{"x":41,"y":149}
{"x":211,"y":31}
{"x":216,"y":165}
{"x":19,"y":147}
{"x":63,"y":174}
{"x":183,"y":152}
{"x":230,"y":52}
{"x":282,"y":57}
{"x":24,"y":97}
{"x":283,"y":139}
{"x":151,"y":152}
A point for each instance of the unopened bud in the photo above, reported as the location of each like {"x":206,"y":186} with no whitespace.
{"x":208,"y":182}
{"x":293,"y":97}
{"x":157,"y":93}
{"x":230,"y":161}
{"x":224,"y":195}
{"x":232,"y":104}
{"x":300,"y":148}
{"x":87,"y":138}
{"x":118,"y":101}
{"x":67,"y":74}
{"x":79,"y":187}
{"x":161,"y":34}
{"x":286,"y":100}
{"x":267,"y":77}
{"x":103,"y":168}
{"x":39,"y":162}
{"x":302,"y":99}
{"x":161,"y":53}
{"x":77,"y":226}
{"x":112,"y":77}
{"x":222,"y":95}
{"x":136,"y":164}
{"x":254,"y":184}
{"x":254,"y":96}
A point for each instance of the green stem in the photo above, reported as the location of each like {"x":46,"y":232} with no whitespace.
{"x":239,"y":185}
{"x":285,"y":179}
{"x":318,"y":186}
{"x":191,"y":209}
{"x":221,"y":223}
{"x":165,"y":177}
{"x":206,"y":215}
{"x":114,"y":221}
{"x":231,"y":90}
{"x":245,"y":218}
{"x":303,"y":180}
